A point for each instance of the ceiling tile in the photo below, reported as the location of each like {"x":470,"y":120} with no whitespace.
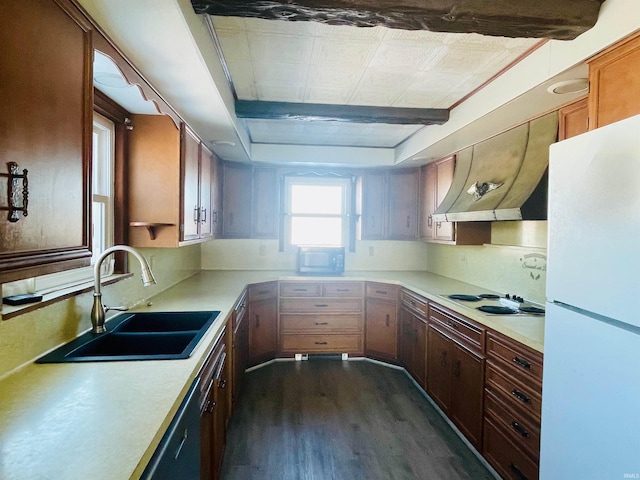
{"x":279,"y":92}
{"x":284,"y":73}
{"x":243,"y":79}
{"x":280,"y":48}
{"x":327,"y":95}
{"x":336,"y":51}
{"x":235,"y":44}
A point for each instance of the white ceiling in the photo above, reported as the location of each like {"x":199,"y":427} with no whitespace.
{"x":309,"y":62}
{"x":172,"y":47}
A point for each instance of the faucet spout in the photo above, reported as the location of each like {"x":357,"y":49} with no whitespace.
{"x":97,"y":312}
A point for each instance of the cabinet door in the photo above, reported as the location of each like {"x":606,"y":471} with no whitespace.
{"x":428,"y":185}
{"x":373,"y":205}
{"x":466,"y":397}
{"x":265,"y":203}
{"x":405,"y":339}
{"x":439,"y":368}
{"x":236,"y":201}
{"x":403,"y":205}
{"x":381,"y":329}
{"x":190,"y":166}
{"x":444,"y":179}
{"x":45,"y":128}
{"x":419,"y":352}
{"x":574,"y":119}
{"x":263,"y":339}
{"x":614,"y":81}
{"x":206,"y":193}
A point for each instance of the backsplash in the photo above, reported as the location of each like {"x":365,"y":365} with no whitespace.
{"x":28,"y":336}
{"x":515,"y":262}
{"x":264,"y":255}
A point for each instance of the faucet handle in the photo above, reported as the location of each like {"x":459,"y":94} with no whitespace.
{"x":117,"y":309}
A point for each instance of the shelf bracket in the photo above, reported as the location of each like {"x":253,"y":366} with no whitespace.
{"x":151,"y":227}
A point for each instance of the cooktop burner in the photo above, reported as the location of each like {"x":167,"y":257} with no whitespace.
{"x":497,"y":309}
{"x":493,"y":304}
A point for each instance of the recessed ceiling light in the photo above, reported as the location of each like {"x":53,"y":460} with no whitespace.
{"x":223,"y":143}
{"x":110,"y":80}
{"x":576,"y":85}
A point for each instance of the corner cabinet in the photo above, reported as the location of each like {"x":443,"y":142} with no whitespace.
{"x":381,"y":321}
{"x":436,"y":179}
{"x":412,"y":341}
{"x":390,"y":205}
{"x":263,"y":322}
{"x":45,"y":129}
{"x":171,"y":185}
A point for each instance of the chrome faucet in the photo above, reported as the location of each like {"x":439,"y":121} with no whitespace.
{"x":97,"y":312}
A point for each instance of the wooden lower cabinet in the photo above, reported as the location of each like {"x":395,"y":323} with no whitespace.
{"x":321,"y":317}
{"x":239,"y":347}
{"x":413,"y":336}
{"x":381,"y":321}
{"x":455,"y":371}
{"x":263,"y":322}
{"x":512,"y":407}
{"x":213,"y":411}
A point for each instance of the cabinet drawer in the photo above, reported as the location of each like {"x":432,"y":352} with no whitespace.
{"x":342,"y":289}
{"x":520,"y":361}
{"x":382,"y":290}
{"x":262,"y":291}
{"x":461,"y":328}
{"x":300,"y":289}
{"x":508,"y":460}
{"x":320,"y":323}
{"x":414,"y":303}
{"x":512,"y":392}
{"x":321,"y":305}
{"x":321,"y":343}
{"x":524,"y":432}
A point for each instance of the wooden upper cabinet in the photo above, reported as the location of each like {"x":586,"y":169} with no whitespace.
{"x":190,"y":155}
{"x":573,"y":119}
{"x":236,"y":200}
{"x":614,"y":80}
{"x":45,"y":128}
{"x":403,"y":204}
{"x":265,"y":203}
{"x":390,"y":205}
{"x":436,"y":179}
{"x":169,"y":188}
{"x":373,"y":205}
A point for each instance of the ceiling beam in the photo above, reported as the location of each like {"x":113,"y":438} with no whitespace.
{"x":562,"y":20}
{"x":341,"y":113}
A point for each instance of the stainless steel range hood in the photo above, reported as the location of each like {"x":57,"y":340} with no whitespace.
{"x":503,"y":177}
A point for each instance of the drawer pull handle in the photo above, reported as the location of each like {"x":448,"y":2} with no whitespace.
{"x":387,"y":319}
{"x":517,"y":471}
{"x":321,"y":305}
{"x":299,"y":289}
{"x":520,"y":429}
{"x":520,"y":396}
{"x":320,"y":343}
{"x":322,"y":323}
{"x":522,"y":363}
{"x":185,"y":435}
{"x":412,"y":303}
{"x":209,"y":406}
{"x":263,"y":292}
{"x":382,"y":292}
{"x":452,"y":325}
{"x":343,"y":289}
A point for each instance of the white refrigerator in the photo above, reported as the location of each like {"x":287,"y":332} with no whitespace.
{"x":590,"y":427}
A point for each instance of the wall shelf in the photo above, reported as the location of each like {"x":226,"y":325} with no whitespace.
{"x":151,"y":227}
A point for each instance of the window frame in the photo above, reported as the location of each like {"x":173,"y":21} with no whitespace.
{"x":318,"y":178}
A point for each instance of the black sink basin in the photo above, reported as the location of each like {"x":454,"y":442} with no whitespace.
{"x":138,"y":336}
{"x":165,"y":321}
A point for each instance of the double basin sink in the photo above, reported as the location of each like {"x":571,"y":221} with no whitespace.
{"x":138,"y":336}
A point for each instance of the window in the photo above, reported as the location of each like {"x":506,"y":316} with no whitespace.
{"x":317,"y":210}
{"x":102,"y":185}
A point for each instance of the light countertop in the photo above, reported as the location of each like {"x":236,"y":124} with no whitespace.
{"x":104,"y":420}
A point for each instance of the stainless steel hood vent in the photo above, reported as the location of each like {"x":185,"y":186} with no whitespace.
{"x":503,"y":177}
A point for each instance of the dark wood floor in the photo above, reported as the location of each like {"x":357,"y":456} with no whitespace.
{"x":325,"y":419}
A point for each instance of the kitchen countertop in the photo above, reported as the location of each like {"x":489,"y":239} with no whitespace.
{"x":104,"y":420}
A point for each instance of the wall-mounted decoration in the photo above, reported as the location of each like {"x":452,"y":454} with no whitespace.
{"x":17,"y":192}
